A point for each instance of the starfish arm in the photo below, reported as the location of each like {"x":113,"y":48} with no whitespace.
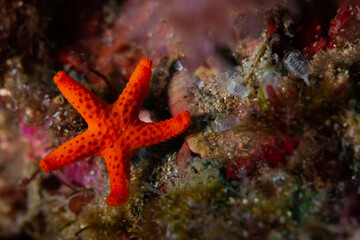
{"x":118,"y":164}
{"x":152,"y":133}
{"x":129,"y":102}
{"x":91,"y":108}
{"x":80,"y":147}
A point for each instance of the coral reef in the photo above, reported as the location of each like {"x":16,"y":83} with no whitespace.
{"x":272,"y":151}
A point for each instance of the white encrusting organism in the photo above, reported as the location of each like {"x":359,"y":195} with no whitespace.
{"x":238,"y":89}
{"x":298,"y":66}
{"x":269,"y":78}
{"x":223,"y":123}
{"x":178,"y":66}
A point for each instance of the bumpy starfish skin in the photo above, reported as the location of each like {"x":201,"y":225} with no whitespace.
{"x":114,"y":131}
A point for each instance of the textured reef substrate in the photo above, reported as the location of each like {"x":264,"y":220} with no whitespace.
{"x":273,"y":90}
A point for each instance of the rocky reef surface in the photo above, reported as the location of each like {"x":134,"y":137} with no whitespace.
{"x":273,"y":149}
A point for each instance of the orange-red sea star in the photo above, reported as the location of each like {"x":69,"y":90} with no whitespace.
{"x":114,"y":131}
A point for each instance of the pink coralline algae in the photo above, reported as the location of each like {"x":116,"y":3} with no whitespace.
{"x":273,"y":151}
{"x":36,"y":136}
{"x":345,"y":25}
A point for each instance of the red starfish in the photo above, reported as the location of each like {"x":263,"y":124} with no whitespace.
{"x":114,"y":131}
